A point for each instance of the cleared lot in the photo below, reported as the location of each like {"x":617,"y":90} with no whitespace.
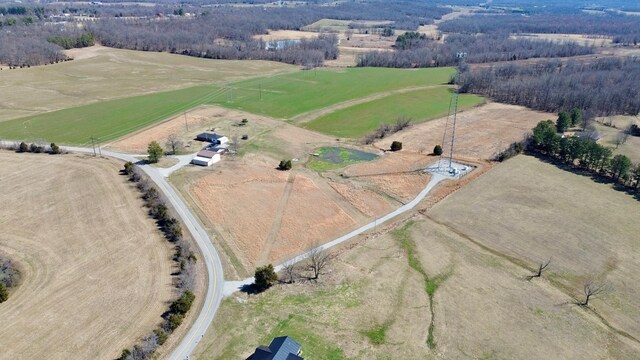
{"x":96,"y":269}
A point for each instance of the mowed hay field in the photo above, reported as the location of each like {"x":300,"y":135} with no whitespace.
{"x":419,"y":105}
{"x":101,"y":73}
{"x":282,"y":96}
{"x":97,"y":272}
{"x":288,"y":95}
{"x":532,"y":211}
{"x":106,"y":120}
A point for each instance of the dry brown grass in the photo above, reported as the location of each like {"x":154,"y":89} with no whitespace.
{"x":481,"y":132}
{"x":96,"y":270}
{"x":484,"y":309}
{"x":102,"y":73}
{"x":287,"y":35}
{"x":531,"y":211}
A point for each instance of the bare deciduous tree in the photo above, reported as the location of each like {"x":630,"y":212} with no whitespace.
{"x":174,"y":143}
{"x":592,"y":288}
{"x":621,"y":138}
{"x":318,"y":259}
{"x":541,"y":268}
{"x":290,"y":269}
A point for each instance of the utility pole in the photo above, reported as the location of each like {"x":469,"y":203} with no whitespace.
{"x":94,"y":147}
{"x":99,"y":150}
{"x":185,"y":121}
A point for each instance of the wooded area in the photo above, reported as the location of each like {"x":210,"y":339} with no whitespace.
{"x":219,"y":32}
{"x":424,"y":52}
{"x":603,"y":87}
{"x":624,"y":29}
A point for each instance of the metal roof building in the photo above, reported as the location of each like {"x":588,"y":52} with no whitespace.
{"x":281,"y":348}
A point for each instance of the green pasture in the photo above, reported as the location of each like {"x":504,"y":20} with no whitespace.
{"x":330,"y":158}
{"x":361,"y":119}
{"x":106,"y":120}
{"x":287,"y":95}
{"x":280,"y":96}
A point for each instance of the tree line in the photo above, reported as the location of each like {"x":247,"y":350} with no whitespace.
{"x":218,"y":32}
{"x":602,"y":87}
{"x":623,"y":28}
{"x":183,"y":256}
{"x":585,"y":153}
{"x":417,"y":50}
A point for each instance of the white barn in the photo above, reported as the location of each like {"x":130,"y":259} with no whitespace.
{"x":206,"y":158}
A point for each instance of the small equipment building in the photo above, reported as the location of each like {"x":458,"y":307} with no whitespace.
{"x":206,"y":158}
{"x":213,"y":138}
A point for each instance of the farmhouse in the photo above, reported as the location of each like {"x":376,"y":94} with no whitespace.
{"x":281,"y":348}
{"x":212,"y":138}
{"x":206,"y":158}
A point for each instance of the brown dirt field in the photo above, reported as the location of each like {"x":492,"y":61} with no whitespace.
{"x":403,"y":187}
{"x":310,"y":217}
{"x":531,"y":210}
{"x":96,"y":271}
{"x":242,"y":201}
{"x":481,"y":132}
{"x":366,"y":201}
{"x":259,"y":211}
{"x":287,"y":35}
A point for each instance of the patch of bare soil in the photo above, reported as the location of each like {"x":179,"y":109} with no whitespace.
{"x":481,"y":132}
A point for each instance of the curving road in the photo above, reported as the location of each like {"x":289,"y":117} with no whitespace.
{"x":215,"y":276}
{"x":216,"y":287}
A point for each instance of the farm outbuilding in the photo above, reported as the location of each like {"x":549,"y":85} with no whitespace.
{"x":281,"y":348}
{"x":206,"y":158}
{"x":212,"y":138}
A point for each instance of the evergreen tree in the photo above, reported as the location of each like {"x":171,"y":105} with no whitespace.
{"x":155,"y":152}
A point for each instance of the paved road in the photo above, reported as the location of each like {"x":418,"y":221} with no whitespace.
{"x":216,"y":287}
{"x":212,"y":260}
{"x":232,"y":286}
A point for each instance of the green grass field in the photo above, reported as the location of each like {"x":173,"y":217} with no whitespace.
{"x":283,"y":96}
{"x":287,"y":95}
{"x":106,"y":120}
{"x":420,"y":105}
